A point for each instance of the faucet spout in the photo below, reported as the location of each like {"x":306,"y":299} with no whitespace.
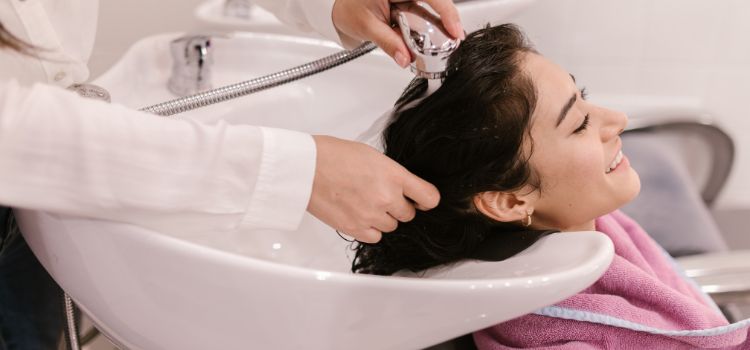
{"x":191,"y":65}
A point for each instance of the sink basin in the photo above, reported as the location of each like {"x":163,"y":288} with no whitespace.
{"x":211,"y":13}
{"x":284,"y":290}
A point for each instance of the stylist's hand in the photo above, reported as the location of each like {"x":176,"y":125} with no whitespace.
{"x":361,"y":192}
{"x":369,"y":20}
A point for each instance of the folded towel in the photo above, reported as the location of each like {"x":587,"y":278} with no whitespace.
{"x":642,"y":301}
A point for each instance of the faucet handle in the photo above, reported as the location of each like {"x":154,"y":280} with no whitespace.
{"x":191,"y":64}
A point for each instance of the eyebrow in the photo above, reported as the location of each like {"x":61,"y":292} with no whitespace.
{"x":567,"y":106}
{"x":566,"y":109}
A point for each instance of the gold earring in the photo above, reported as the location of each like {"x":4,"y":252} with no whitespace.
{"x":528,"y":218}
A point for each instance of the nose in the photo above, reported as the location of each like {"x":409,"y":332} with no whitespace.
{"x":613,"y":123}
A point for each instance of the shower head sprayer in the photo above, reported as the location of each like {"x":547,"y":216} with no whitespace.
{"x":426,"y":37}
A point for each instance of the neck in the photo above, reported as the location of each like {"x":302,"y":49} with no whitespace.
{"x":586,"y":226}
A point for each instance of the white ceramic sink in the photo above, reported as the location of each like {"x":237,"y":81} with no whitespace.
{"x":285,"y":290}
{"x":474,"y":15}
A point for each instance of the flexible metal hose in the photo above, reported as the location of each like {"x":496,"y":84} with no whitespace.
{"x":233,"y":91}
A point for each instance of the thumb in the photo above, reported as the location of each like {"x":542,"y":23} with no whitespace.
{"x":390,"y":41}
{"x":449,"y":15}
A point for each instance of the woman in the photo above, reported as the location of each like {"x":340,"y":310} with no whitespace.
{"x":516,"y":151}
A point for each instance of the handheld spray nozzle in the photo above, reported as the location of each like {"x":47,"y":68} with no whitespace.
{"x":426,"y":37}
{"x":429,"y":43}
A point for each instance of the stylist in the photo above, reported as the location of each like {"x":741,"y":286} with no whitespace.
{"x":64,"y":154}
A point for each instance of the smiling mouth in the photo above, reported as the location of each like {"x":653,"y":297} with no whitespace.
{"x":615,"y":162}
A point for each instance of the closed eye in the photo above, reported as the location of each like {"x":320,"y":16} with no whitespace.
{"x":583,"y":125}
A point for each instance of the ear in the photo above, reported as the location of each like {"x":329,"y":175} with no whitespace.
{"x":503,"y":206}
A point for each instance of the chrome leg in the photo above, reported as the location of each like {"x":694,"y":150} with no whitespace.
{"x":71,"y":324}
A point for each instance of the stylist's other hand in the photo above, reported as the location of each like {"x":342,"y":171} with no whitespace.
{"x":361,"y":192}
{"x":369,"y":20}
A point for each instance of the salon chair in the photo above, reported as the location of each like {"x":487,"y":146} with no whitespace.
{"x":684,"y":160}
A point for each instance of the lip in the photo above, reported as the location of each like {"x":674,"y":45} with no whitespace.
{"x":619,"y":151}
{"x":624,"y":163}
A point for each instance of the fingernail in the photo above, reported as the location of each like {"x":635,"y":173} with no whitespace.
{"x":401,"y":60}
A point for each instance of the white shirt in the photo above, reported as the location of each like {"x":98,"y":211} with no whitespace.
{"x":68,"y":155}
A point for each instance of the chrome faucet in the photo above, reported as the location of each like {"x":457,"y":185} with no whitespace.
{"x":191,"y":64}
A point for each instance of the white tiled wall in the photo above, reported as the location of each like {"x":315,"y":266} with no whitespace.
{"x":694,"y":53}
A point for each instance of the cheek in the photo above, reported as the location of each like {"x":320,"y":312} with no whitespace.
{"x":585,"y":165}
{"x":572,"y":179}
{"x":570,"y":169}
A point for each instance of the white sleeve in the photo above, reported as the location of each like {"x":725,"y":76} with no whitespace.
{"x":309,"y":15}
{"x":68,"y":155}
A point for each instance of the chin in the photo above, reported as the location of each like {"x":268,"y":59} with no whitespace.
{"x":632,"y":189}
{"x":624,"y":195}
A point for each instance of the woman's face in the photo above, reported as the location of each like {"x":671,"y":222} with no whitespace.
{"x":577,"y":152}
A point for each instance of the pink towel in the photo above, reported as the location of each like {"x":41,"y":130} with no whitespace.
{"x":642,"y":301}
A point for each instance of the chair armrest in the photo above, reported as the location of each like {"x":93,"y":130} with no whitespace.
{"x":725,"y":276}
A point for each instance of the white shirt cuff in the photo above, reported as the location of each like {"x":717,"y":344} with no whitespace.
{"x":285,"y":180}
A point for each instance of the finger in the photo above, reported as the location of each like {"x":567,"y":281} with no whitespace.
{"x":369,"y":235}
{"x":390,"y":41}
{"x":449,"y":15}
{"x":402,"y":210}
{"x":423,"y":193}
{"x":385,"y":223}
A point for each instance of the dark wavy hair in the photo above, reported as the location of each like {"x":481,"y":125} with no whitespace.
{"x":465,"y":138}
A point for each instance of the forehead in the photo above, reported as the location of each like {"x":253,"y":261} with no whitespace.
{"x":553,"y":84}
